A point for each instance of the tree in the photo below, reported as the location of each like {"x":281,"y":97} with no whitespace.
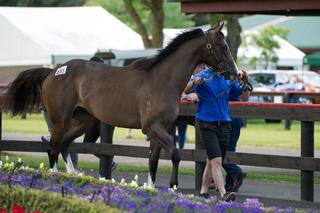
{"x":142,"y":19}
{"x":267,"y":44}
{"x":157,"y":19}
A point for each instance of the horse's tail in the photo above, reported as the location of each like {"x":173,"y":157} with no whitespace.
{"x":24,"y":93}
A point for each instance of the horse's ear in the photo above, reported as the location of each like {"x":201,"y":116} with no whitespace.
{"x":218,"y":27}
{"x":221,"y":26}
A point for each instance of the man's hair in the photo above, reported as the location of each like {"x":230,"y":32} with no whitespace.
{"x":96,"y":59}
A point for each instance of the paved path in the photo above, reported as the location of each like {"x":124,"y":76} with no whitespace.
{"x":271,"y":193}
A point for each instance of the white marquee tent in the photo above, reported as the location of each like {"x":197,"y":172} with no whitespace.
{"x":32,"y":36}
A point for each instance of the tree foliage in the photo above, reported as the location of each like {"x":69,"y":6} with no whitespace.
{"x":267,"y":44}
{"x":147,"y":17}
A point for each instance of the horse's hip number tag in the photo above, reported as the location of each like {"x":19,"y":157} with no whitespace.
{"x":61,"y":71}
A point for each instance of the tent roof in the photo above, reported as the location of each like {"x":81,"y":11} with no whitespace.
{"x":303,"y":32}
{"x":312,"y":59}
{"x":32,"y":35}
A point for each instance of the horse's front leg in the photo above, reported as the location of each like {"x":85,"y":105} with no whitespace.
{"x":159,"y":135}
{"x":154,"y":155}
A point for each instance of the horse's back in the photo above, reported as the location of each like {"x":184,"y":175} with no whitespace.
{"x":107,"y":92}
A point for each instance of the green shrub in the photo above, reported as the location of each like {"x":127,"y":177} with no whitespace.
{"x":31,"y":200}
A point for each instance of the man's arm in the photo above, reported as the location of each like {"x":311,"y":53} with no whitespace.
{"x":194,"y":82}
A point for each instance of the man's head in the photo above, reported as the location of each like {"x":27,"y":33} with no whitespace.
{"x":199,"y":68}
{"x":96,"y":59}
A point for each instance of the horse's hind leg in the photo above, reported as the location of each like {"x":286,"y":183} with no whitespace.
{"x":159,"y":134}
{"x":81,"y":121}
{"x":154,"y":156}
{"x":55,"y":143}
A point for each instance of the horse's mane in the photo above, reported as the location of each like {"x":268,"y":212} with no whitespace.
{"x":172,"y":47}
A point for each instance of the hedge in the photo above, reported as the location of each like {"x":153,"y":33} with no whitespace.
{"x":32,"y":200}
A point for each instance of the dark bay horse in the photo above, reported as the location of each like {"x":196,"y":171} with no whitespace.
{"x":143,"y":95}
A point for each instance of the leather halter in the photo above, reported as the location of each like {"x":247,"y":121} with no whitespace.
{"x":219,"y":67}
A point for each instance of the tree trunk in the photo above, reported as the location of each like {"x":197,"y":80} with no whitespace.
{"x":233,"y":37}
{"x":79,"y":2}
{"x":200,"y":19}
{"x":157,"y":17}
{"x":137,"y":20}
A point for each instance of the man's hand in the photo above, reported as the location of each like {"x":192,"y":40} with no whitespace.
{"x":244,"y":76}
{"x":197,"y":81}
{"x":189,"y":97}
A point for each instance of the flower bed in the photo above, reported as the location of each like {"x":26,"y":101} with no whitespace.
{"x":121,"y":195}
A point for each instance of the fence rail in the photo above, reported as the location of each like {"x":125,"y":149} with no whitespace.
{"x":306,"y":113}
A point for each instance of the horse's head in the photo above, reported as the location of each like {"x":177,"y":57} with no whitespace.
{"x":216,"y":53}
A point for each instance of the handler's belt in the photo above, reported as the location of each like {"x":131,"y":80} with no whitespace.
{"x":214,"y":124}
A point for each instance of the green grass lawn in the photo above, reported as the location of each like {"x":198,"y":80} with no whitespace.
{"x":256,"y":134}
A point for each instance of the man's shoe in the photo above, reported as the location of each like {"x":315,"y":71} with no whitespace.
{"x":238,"y":181}
{"x":229,"y":197}
{"x":114,"y":165}
{"x":205,"y":195}
{"x":229,"y":188}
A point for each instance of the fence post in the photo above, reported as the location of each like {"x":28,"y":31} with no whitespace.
{"x":106,"y":136}
{"x":199,"y":166}
{"x":0,"y":129}
{"x":287,"y":99}
{"x":307,"y":150}
{"x":0,"y":126}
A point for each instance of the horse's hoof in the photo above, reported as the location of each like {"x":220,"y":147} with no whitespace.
{"x":150,"y":182}
{"x":173,"y":184}
{"x":45,"y":139}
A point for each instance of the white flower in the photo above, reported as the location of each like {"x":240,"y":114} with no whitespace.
{"x":113,"y":180}
{"x":41,"y":166}
{"x":145,"y":185}
{"x":123,"y":181}
{"x":19,"y":160}
{"x":136,"y":178}
{"x":0,"y":163}
{"x":102,"y":179}
{"x":7,"y":158}
{"x":134,"y":183}
{"x":171,"y":189}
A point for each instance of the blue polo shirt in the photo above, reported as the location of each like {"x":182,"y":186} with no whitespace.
{"x":213,"y":96}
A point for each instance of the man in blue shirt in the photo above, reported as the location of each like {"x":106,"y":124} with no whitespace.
{"x":214,"y":119}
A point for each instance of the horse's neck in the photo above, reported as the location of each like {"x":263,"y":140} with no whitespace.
{"x":180,"y":64}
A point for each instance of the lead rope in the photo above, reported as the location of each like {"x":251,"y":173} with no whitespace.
{"x":244,"y":84}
